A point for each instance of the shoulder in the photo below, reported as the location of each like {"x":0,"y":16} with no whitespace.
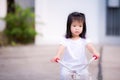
{"x":63,"y":41}
{"x":86,"y":40}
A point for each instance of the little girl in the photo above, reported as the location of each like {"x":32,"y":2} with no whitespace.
{"x":74,"y":44}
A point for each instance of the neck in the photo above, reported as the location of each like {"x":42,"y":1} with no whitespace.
{"x":77,"y":37}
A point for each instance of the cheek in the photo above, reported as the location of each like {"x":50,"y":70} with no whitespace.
{"x":81,"y":29}
{"x":72,"y":29}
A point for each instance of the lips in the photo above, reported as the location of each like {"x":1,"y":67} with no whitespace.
{"x":77,"y":32}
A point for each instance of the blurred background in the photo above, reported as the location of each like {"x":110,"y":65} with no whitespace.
{"x":30,"y":31}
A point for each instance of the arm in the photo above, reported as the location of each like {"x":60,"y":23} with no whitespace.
{"x":59,"y":53}
{"x":92,"y":50}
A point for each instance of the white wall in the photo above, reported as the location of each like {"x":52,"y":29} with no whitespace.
{"x":103,"y":38}
{"x":3,"y":12}
{"x":53,"y":14}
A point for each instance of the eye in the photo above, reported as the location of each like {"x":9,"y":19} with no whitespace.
{"x":74,"y":25}
{"x":80,"y":26}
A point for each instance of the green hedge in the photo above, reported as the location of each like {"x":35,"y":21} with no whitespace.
{"x":20,"y":26}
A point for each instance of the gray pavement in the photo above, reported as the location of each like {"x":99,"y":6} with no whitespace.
{"x":33,"y":63}
{"x":28,"y":63}
{"x":111,"y":63}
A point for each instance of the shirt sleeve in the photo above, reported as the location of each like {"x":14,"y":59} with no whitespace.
{"x":87,"y":41}
{"x":63,"y":41}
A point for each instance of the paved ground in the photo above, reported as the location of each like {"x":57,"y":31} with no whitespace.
{"x":28,"y":63}
{"x":33,"y":63}
{"x":111,"y":63}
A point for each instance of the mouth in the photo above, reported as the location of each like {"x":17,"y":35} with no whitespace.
{"x":77,"y":32}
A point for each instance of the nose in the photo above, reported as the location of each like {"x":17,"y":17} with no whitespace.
{"x":77,"y":27}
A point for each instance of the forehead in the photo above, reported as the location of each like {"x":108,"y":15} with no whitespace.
{"x":77,"y":22}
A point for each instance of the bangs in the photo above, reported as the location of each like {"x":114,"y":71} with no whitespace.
{"x":79,"y":19}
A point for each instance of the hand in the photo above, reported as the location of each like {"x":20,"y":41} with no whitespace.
{"x":96,"y":56}
{"x":55,"y":59}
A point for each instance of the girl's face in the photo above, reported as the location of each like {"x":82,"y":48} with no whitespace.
{"x":76,"y":28}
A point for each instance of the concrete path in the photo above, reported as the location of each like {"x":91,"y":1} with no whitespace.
{"x":111,"y":63}
{"x":32,"y":63}
{"x":28,"y":63}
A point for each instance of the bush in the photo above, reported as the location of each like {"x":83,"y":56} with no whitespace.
{"x":3,"y":40}
{"x":20,"y":26}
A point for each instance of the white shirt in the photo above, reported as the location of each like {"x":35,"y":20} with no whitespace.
{"x":75,"y":53}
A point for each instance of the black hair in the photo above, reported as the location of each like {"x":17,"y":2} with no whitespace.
{"x":79,"y":17}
